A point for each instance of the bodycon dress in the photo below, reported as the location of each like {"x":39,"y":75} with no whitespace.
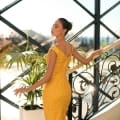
{"x":57,"y":91}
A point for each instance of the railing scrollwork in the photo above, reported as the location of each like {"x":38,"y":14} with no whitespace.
{"x":84,"y":87}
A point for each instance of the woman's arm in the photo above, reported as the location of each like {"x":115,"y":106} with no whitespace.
{"x":51,"y":63}
{"x":88,"y":58}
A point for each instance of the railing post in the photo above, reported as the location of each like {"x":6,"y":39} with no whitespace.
{"x":96,"y":46}
{"x":70,"y":106}
{"x":80,"y":108}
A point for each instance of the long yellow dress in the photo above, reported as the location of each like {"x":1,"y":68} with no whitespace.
{"x":57,"y":91}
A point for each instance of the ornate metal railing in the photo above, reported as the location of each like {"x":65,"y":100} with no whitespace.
{"x":84,"y":89}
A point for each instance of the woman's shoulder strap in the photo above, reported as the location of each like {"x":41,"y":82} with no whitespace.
{"x":53,"y":47}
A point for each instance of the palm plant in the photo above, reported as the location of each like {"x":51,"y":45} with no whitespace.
{"x":35,"y":65}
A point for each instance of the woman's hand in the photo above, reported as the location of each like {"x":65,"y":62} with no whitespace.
{"x":20,"y":91}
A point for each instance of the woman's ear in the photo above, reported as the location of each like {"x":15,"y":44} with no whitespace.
{"x":65,"y":30}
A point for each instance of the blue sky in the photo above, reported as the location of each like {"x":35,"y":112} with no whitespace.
{"x":39,"y":15}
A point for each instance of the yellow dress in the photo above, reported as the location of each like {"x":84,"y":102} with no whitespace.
{"x":57,"y":91}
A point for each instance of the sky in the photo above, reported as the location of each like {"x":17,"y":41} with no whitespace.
{"x":39,"y":15}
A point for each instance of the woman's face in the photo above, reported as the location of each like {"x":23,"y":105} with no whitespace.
{"x":57,"y":29}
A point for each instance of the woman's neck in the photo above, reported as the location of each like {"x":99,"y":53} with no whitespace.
{"x":60,"y":40}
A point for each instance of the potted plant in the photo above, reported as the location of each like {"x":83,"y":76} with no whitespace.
{"x":35,"y":65}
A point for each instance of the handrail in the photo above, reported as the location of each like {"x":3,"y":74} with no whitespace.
{"x":108,"y":47}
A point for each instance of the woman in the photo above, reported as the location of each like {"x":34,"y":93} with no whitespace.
{"x":57,"y":91}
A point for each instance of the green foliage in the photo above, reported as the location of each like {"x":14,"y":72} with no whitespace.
{"x":37,"y":65}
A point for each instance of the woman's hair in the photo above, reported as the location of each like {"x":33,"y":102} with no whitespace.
{"x":66,"y":24}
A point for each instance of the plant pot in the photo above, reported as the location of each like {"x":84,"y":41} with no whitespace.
{"x":36,"y":114}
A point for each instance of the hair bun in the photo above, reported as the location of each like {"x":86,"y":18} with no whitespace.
{"x":69,"y":25}
{"x":66,"y":24}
